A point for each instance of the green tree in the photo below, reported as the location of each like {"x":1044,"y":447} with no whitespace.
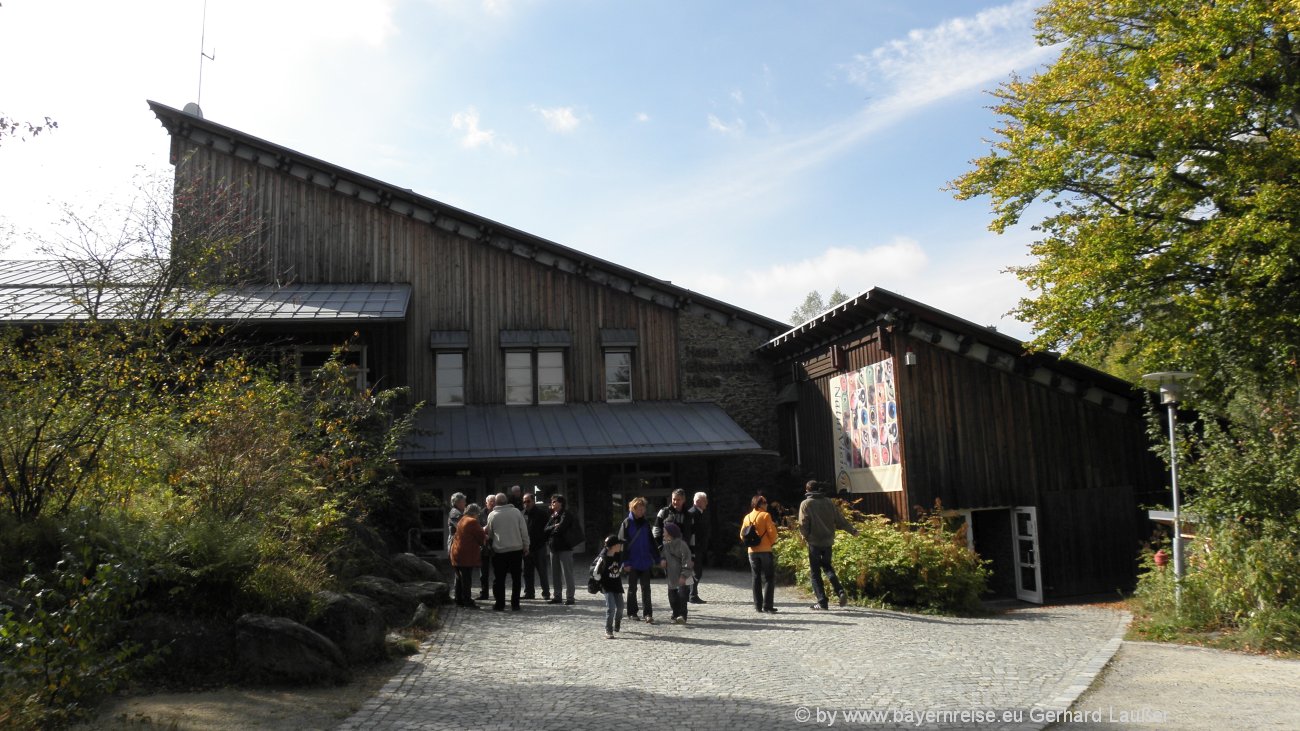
{"x":813,"y":305}
{"x":1166,"y":139}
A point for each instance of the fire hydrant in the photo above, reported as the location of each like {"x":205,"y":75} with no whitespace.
{"x":1161,"y":558}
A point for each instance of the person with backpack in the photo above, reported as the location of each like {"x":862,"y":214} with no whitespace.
{"x":608,"y":572}
{"x":762,"y":567}
{"x":640,"y":555}
{"x":562,"y":534}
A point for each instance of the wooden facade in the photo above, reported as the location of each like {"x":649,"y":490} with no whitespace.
{"x":986,"y":430}
{"x":480,"y":281}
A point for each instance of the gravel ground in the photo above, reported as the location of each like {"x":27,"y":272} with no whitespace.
{"x":1149,"y":686}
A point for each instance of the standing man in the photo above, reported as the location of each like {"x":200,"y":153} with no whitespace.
{"x":674,"y":512}
{"x":485,"y":573}
{"x":818,"y":519}
{"x":562,"y":534}
{"x":457,"y":512}
{"x":517,"y":497}
{"x":509,"y":535}
{"x":537,"y":558}
{"x":700,"y":533}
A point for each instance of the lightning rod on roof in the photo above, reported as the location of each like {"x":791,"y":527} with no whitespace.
{"x":203,"y":54}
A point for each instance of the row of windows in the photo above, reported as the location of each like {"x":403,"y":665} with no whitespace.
{"x":531,"y":377}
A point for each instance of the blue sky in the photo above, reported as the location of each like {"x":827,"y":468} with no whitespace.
{"x":751,"y":151}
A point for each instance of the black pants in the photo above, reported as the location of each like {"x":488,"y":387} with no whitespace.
{"x":503,"y":562}
{"x":679,"y":599}
{"x":819,"y":560}
{"x":634,"y":579}
{"x":537,"y":560}
{"x":763,"y":570}
{"x":464,"y":585}
{"x":485,"y":576}
{"x":697,"y":560}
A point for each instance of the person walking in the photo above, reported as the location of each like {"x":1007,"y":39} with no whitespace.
{"x":562,"y":534}
{"x":508,"y":534}
{"x":640,"y":555}
{"x":466,"y":554}
{"x":762,"y":567}
{"x":537,"y":558}
{"x":701,"y":531}
{"x":677,"y":556}
{"x":818,"y":519}
{"x":609,"y":571}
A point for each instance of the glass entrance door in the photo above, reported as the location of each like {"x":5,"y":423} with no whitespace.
{"x":1029,"y":575}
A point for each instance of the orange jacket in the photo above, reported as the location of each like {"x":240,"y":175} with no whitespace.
{"x":467,"y":545}
{"x":766,"y":528}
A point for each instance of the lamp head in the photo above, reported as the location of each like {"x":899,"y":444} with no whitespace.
{"x":1171,"y":384}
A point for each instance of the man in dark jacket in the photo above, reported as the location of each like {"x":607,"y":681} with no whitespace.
{"x":562,"y":534}
{"x":537,"y":559}
{"x":699,"y":541}
{"x":818,"y":519}
{"x":674,"y":512}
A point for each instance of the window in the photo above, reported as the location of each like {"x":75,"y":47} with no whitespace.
{"x":449,"y":379}
{"x":534,"y":377}
{"x":618,"y":375}
{"x":307,"y":359}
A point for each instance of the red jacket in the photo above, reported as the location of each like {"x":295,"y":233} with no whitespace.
{"x":467,"y":545}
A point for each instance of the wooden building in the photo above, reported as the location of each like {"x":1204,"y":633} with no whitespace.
{"x":1045,"y":460}
{"x":539,"y":365}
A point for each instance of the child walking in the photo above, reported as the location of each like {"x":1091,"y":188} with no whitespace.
{"x":679,"y":572}
{"x":609,"y":570}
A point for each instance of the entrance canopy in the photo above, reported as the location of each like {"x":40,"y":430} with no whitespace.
{"x":575,"y":432}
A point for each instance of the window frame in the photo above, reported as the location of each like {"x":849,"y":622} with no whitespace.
{"x":609,"y":384}
{"x":438,"y":387}
{"x":536,"y":368}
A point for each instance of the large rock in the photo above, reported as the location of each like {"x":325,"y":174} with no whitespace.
{"x":187,"y":648}
{"x":279,"y":650}
{"x":428,"y":593}
{"x":353,"y":622}
{"x":409,"y":567}
{"x":396,"y":604}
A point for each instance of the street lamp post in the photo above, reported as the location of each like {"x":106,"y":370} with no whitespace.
{"x":1171,"y":385}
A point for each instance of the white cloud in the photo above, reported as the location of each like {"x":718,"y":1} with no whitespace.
{"x":738,"y":96}
{"x":474,"y":137}
{"x":734,"y":128}
{"x":559,"y":119}
{"x":956,"y":55}
{"x":642,"y":117}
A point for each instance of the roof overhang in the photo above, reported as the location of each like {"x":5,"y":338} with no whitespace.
{"x":575,"y":432}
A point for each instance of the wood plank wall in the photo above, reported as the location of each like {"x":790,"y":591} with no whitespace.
{"x":315,"y":235}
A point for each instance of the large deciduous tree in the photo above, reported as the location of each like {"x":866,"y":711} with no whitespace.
{"x":1166,"y":141}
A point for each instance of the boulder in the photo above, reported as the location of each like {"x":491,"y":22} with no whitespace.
{"x":409,"y":567}
{"x":185,"y":648}
{"x":429,"y":593}
{"x":281,"y":651}
{"x":396,"y":603}
{"x":352,"y":622}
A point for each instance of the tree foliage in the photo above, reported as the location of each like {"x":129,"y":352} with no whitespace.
{"x":813,"y":305}
{"x":1166,"y":138}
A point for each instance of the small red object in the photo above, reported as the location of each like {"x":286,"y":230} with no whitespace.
{"x":1161,"y":558}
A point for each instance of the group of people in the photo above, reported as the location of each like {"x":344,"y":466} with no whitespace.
{"x":517,"y":536}
{"x":515,"y":539}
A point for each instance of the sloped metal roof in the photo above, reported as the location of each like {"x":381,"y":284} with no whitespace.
{"x":33,"y":292}
{"x":575,"y":432}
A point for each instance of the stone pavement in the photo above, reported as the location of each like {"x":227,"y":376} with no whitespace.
{"x":550,"y":667}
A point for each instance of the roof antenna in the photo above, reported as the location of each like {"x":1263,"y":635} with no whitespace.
{"x":194,"y":108}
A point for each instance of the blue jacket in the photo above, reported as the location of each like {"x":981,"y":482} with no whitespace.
{"x":639,"y":549}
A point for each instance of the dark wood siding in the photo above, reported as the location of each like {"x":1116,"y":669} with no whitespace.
{"x":313,"y":234}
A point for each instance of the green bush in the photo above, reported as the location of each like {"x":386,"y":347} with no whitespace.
{"x":918,"y":565}
{"x":58,"y":651}
{"x":1241,"y":588}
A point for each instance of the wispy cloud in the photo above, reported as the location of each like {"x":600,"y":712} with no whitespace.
{"x":474,"y":136}
{"x":733,"y":128}
{"x":559,"y":119}
{"x":642,"y":117}
{"x":738,"y":96}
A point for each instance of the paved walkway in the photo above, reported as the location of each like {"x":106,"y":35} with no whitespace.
{"x":550,"y":667}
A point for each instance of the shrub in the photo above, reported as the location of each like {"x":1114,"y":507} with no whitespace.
{"x":921,"y":565}
{"x":58,"y":650}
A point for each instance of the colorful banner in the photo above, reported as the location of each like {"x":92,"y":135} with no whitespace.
{"x":865,"y":407}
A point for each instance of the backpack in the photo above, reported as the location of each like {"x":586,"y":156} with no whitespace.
{"x":750,"y":536}
{"x":593,"y":578}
